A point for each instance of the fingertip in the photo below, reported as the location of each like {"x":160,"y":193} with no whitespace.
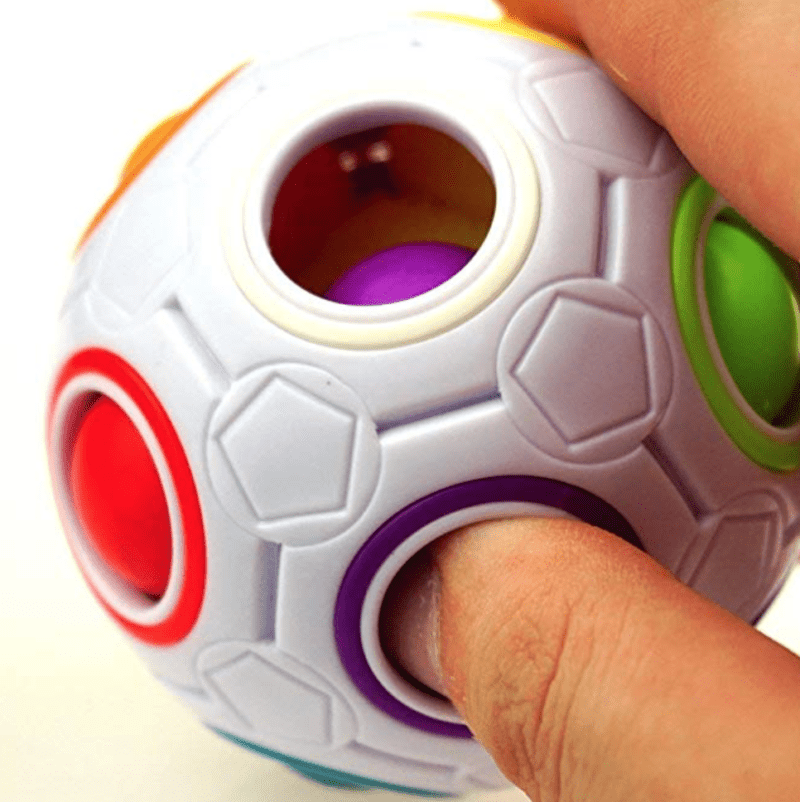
{"x":722,"y":86}
{"x":478,"y":569}
{"x":557,"y":638}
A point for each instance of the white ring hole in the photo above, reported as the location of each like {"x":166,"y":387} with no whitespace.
{"x":494,"y":146}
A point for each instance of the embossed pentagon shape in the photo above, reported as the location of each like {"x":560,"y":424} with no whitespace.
{"x":274,"y":696}
{"x":584,"y":370}
{"x":601,"y":385}
{"x":615,"y":138}
{"x":290,"y":451}
{"x":746,"y":536}
{"x":292,"y":709}
{"x":292,"y":454}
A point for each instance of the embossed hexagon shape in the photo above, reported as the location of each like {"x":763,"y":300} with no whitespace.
{"x":584,"y":371}
{"x":148,"y":239}
{"x":293,"y":454}
{"x":746,"y":536}
{"x":615,"y":138}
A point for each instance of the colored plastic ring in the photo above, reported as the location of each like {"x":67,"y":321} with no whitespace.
{"x":359,"y":577}
{"x":769,"y":446}
{"x":96,"y":372}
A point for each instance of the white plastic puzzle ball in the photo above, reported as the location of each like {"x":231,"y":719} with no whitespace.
{"x":351,"y":301}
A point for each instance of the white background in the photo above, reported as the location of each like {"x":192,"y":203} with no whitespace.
{"x":81,"y":81}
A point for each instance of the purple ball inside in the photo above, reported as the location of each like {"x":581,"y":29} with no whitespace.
{"x":398,"y":273}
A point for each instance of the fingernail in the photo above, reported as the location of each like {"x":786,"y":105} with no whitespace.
{"x":410,"y":622}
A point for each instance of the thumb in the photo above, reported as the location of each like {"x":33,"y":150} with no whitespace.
{"x":590,"y":673}
{"x":721,"y":77}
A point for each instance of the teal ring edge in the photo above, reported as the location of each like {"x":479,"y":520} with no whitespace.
{"x":324,"y":775}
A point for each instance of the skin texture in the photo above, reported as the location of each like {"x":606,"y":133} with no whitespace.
{"x":587,"y":670}
{"x":721,"y":76}
{"x":592,"y":675}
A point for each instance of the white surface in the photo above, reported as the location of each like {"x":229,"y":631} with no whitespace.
{"x":82,"y":719}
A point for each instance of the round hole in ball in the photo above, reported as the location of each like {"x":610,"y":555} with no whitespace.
{"x":380,"y":215}
{"x":752,"y":293}
{"x":119,"y":500}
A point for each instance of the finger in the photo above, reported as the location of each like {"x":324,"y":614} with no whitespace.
{"x":590,"y":673}
{"x":723,"y":78}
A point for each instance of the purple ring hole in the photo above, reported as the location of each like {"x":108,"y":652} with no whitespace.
{"x":358,"y":577}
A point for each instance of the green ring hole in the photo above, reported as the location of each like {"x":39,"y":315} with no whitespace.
{"x":751,"y":291}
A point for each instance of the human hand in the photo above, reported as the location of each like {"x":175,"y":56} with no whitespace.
{"x":591,"y":674}
{"x":722,"y":77}
{"x":587,"y":670}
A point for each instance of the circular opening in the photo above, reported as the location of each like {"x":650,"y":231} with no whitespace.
{"x":751,"y":289}
{"x":118,"y":499}
{"x":127,"y":498}
{"x":380,"y":215}
{"x":767,"y":438}
{"x":362,"y":613}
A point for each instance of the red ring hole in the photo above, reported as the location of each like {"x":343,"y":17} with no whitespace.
{"x":119,"y":499}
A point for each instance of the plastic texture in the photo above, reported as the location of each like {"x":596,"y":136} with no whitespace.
{"x":119,"y":500}
{"x":754,"y":314}
{"x":399,"y":273}
{"x":577,"y":346}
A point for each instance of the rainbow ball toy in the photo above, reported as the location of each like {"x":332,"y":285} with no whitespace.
{"x":332,"y":313}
